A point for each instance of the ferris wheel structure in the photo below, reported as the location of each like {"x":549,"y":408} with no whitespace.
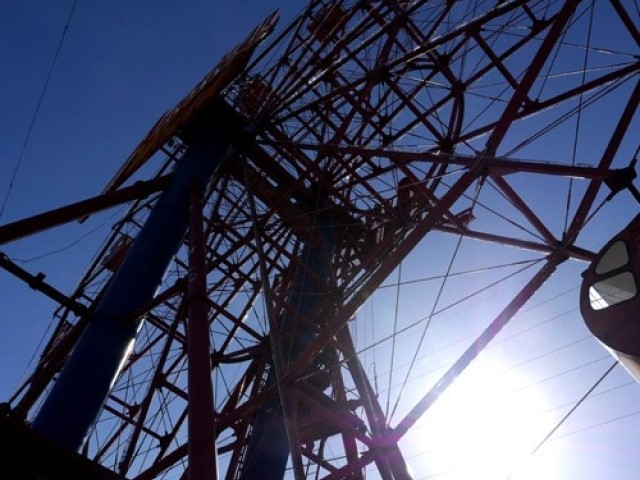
{"x":220,"y":330}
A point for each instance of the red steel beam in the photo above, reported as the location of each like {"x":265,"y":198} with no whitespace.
{"x":626,"y":19}
{"x":390,"y":460}
{"x":387,"y":265}
{"x":162,"y":463}
{"x":203,"y":462}
{"x":43,"y":221}
{"x":571,"y":251}
{"x":307,"y":396}
{"x":425,"y":47}
{"x":348,"y":437}
{"x":520,"y":96}
{"x":287,"y":403}
{"x":495,"y":166}
{"x":297,"y":82}
{"x":156,"y":383}
{"x":467,"y":357}
{"x":37,"y":283}
{"x":523,"y":208}
{"x":478,"y":345}
{"x":605,"y":162}
{"x":542,"y":105}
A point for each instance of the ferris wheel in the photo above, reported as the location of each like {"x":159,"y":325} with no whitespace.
{"x":350,"y":215}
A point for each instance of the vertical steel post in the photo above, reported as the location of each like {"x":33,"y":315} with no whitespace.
{"x":268,"y":448}
{"x":389,"y":461}
{"x":203,"y":462}
{"x":76,"y":399}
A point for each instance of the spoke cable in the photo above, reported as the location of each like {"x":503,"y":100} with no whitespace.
{"x":571,"y":411}
{"x":393,"y":341}
{"x":578,"y":119}
{"x":457,"y":302}
{"x":433,"y":310}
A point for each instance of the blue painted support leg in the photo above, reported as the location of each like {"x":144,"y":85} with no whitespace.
{"x":78,"y":395}
{"x":268,"y":449}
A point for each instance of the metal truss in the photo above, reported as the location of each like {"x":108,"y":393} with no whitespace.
{"x":395,"y":119}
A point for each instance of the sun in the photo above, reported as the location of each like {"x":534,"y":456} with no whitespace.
{"x":484,"y":427}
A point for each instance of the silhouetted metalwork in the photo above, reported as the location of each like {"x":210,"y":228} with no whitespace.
{"x":332,"y":151}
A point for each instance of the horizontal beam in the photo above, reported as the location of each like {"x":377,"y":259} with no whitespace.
{"x":572,"y":251}
{"x":37,"y":283}
{"x":59,"y":216}
{"x":495,"y":167}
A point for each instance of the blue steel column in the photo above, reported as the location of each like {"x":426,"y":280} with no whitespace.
{"x":268,"y":448}
{"x":78,"y":395}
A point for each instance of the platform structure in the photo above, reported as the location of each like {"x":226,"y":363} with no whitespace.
{"x":327,"y":152}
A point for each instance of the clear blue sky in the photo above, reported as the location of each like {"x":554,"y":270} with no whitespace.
{"x":121,"y":66}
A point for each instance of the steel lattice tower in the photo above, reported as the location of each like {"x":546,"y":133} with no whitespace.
{"x":293,"y":180}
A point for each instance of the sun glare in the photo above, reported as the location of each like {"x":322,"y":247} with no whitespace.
{"x":483,"y":427}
